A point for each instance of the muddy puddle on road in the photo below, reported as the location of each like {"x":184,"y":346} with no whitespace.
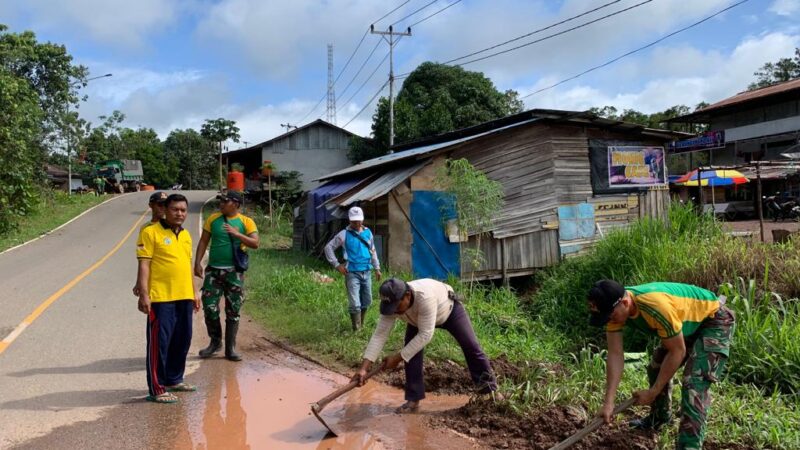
{"x":264,"y":403}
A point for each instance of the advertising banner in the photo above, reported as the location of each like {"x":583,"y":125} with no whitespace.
{"x":705,"y":141}
{"x":636,"y":166}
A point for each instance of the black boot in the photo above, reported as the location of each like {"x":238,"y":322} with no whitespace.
{"x":355,"y":319}
{"x":231,"y":328}
{"x":363,"y":314}
{"x":215,"y":333}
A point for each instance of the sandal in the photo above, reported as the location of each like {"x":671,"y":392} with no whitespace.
{"x":166,"y":397}
{"x":407,"y":407}
{"x":182,"y":387}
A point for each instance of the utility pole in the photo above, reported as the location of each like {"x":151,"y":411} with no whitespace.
{"x":390,"y":40}
{"x":331,"y":91}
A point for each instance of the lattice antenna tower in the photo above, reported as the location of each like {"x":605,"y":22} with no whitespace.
{"x":331,"y":91}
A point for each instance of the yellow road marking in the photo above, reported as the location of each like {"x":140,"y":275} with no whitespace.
{"x":46,"y":304}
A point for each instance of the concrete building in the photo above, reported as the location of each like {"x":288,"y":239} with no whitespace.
{"x":315,"y":149}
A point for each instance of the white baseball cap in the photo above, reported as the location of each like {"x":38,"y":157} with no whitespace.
{"x":355,"y":213}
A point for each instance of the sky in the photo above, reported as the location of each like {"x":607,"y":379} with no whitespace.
{"x":264,"y":63}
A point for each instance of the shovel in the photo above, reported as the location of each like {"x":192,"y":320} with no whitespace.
{"x":316,"y":408}
{"x":596,"y":423}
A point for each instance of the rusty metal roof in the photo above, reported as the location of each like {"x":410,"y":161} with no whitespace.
{"x":776,"y":92}
{"x":375,"y":187}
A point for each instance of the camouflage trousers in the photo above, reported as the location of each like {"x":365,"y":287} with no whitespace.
{"x":218,"y":283}
{"x":707,"y":353}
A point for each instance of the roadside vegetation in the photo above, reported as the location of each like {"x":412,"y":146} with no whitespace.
{"x":544,"y":334}
{"x":52,"y":209}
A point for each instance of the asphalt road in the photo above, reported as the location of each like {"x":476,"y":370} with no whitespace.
{"x":84,"y":352}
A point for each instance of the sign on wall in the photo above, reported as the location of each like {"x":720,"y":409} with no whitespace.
{"x":636,"y":166}
{"x":705,"y":141}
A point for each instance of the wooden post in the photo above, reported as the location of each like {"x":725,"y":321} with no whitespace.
{"x":758,"y":200}
{"x":504,"y":262}
{"x":700,"y":189}
{"x":269,"y":197}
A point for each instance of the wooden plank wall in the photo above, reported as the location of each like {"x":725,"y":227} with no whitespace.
{"x":522,"y":160}
{"x":522,"y":253}
{"x":654,"y":203}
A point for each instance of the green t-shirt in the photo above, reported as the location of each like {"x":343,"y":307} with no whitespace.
{"x":220,"y":251}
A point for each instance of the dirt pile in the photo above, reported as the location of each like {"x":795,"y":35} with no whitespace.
{"x":498,"y":427}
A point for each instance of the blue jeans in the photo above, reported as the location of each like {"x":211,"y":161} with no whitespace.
{"x":359,"y":290}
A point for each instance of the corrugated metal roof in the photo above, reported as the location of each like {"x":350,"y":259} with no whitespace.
{"x":740,"y":99}
{"x":378,"y":187}
{"x":420,"y":151}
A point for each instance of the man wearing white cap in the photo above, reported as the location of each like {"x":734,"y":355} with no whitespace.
{"x":360,"y":258}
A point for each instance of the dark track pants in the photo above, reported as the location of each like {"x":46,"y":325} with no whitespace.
{"x":460,"y":327}
{"x":169,"y":335}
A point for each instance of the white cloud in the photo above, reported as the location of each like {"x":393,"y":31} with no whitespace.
{"x":785,"y":7}
{"x":114,"y":23}
{"x":179,"y":100}
{"x":709,"y":76}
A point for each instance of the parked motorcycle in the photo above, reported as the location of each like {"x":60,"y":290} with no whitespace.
{"x":781,"y":208}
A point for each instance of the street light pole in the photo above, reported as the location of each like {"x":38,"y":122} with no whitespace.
{"x":69,"y":137}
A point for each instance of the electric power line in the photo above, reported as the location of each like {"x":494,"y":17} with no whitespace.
{"x":607,"y":63}
{"x":371,"y":75}
{"x":367,"y":104}
{"x":366,"y":32}
{"x":550,"y":36}
{"x":569,"y":19}
{"x":374,"y":49}
{"x":418,"y":10}
{"x":437,"y":12}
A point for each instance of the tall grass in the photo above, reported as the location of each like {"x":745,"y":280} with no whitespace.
{"x":766,"y":347}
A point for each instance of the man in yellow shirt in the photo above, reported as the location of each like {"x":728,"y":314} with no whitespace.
{"x":168,"y":297}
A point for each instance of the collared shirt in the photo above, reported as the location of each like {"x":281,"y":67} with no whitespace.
{"x":432,"y":306}
{"x":170,"y":255}
{"x":667,"y":309}
{"x":220,"y":251}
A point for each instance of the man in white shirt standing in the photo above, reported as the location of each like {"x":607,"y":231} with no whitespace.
{"x":424,"y":305}
{"x":360,"y":259}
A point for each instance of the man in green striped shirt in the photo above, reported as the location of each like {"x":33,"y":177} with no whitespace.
{"x":695,"y":328}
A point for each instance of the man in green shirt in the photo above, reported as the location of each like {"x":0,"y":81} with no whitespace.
{"x":695,"y":328}
{"x":224,"y":230}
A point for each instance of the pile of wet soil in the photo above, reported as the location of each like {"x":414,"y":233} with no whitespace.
{"x":494,"y":425}
{"x":451,"y":378}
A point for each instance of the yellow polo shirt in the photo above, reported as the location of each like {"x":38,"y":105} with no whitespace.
{"x":171,"y":262}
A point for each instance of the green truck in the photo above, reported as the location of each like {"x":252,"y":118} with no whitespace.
{"x":120,"y":175}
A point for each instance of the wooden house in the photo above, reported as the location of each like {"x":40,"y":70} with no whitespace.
{"x":560,"y":193}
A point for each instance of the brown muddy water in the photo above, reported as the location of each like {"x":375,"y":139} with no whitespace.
{"x":264,"y":403}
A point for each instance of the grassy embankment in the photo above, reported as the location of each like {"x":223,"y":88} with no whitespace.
{"x":547,"y":335}
{"x":55,"y":208}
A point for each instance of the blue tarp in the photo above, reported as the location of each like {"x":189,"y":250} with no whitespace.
{"x":428,"y":216}
{"x":315,"y":214}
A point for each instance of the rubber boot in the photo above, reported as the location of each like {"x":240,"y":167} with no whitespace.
{"x":355,"y":319}
{"x":231,"y":328}
{"x":363,"y":314}
{"x":215,"y":333}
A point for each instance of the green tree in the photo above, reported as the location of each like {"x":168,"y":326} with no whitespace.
{"x":143,"y":144}
{"x":219,"y":131}
{"x":20,"y":125}
{"x":196,"y":158}
{"x":476,"y":199}
{"x":784,"y":69}
{"x":104,"y":142}
{"x":434,"y":99}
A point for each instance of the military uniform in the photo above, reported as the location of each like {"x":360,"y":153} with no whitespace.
{"x":668,"y":309}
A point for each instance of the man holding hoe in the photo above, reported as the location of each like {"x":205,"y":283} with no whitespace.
{"x":424,"y":305}
{"x":695,"y":329}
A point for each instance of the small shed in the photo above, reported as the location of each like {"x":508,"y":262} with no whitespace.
{"x":315,"y":149}
{"x":563,"y":184}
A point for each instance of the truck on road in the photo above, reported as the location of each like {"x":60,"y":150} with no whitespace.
{"x":120,"y":175}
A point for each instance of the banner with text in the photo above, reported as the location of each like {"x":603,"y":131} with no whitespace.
{"x":636,"y":166}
